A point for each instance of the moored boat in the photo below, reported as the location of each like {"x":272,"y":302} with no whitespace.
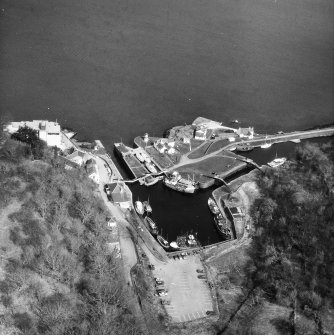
{"x":147,"y":207}
{"x":244,"y":147}
{"x":152,"y":225}
{"x":174,"y":245}
{"x":266,"y":144}
{"x":139,"y":156}
{"x":163,"y":242}
{"x":277,"y":162}
{"x":223,"y":226}
{"x":149,"y":180}
{"x":213,"y":206}
{"x":150,"y":167}
{"x":139,"y":207}
{"x":176,"y":182}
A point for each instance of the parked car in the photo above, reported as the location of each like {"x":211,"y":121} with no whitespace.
{"x":201,"y":277}
{"x":160,"y":294}
{"x":199,"y":271}
{"x":151,"y":267}
{"x":159,"y":290}
{"x":165,"y":302}
{"x":159,"y":282}
{"x":210,"y":312}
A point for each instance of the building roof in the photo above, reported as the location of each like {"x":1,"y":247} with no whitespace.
{"x":68,"y":162}
{"x":117,"y":193}
{"x":76,"y":153}
{"x":91,"y":170}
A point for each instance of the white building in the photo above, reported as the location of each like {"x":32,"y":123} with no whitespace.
{"x":78,"y":157}
{"x":47,"y":131}
{"x":92,"y":171}
{"x":246,"y":132}
{"x":200,"y":133}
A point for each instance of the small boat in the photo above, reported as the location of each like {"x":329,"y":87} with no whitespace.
{"x":235,"y":121}
{"x":152,"y":225}
{"x":213,"y":207}
{"x":244,"y":147}
{"x":277,"y":162}
{"x":149,"y":180}
{"x":266,"y":145}
{"x":163,"y":242}
{"x":150,"y":167}
{"x":147,"y":207}
{"x":176,"y":182}
{"x":174,"y":246}
{"x":139,"y":207}
{"x":191,"y":241}
{"x":140,"y":157}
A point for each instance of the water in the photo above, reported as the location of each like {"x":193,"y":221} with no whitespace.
{"x":114,"y":69}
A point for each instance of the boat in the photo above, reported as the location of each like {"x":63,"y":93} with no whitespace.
{"x":223,"y":226}
{"x":150,"y":167}
{"x":147,"y":207}
{"x":192,"y":241}
{"x":139,"y":207}
{"x":213,"y":207}
{"x":163,"y":242}
{"x":139,"y":156}
{"x":266,"y":145}
{"x":174,"y":245}
{"x":152,"y":225}
{"x":176,"y":182}
{"x":149,"y":180}
{"x":235,"y":121}
{"x":243,"y":147}
{"x":277,"y":162}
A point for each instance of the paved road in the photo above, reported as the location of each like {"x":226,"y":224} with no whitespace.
{"x":127,"y":247}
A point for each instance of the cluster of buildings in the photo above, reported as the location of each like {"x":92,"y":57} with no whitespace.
{"x":203,"y":129}
{"x":165,"y":145}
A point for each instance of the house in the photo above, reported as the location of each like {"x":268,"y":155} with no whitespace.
{"x":92,"y":171}
{"x":47,"y":131}
{"x":119,"y":195}
{"x":200,"y":133}
{"x":68,"y":165}
{"x":78,"y":157}
{"x":160,"y":146}
{"x":246,"y":132}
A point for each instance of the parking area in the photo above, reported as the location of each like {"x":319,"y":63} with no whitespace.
{"x":189,"y":295}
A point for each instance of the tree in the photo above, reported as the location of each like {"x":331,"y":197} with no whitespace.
{"x":30,"y":136}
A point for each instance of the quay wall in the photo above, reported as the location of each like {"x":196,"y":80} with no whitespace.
{"x":211,"y":181}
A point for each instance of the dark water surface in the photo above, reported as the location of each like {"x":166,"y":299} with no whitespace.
{"x":114,"y":69}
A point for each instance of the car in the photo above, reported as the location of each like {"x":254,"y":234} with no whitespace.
{"x":159,"y":290}
{"x":144,"y":255}
{"x":201,"y":277}
{"x":107,"y":189}
{"x":159,"y":282}
{"x":151,"y":267}
{"x":165,"y":302}
{"x":174,"y":257}
{"x":280,"y":132}
{"x":157,"y":278}
{"x":199,"y":271}
{"x":210,"y":312}
{"x":160,"y":294}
